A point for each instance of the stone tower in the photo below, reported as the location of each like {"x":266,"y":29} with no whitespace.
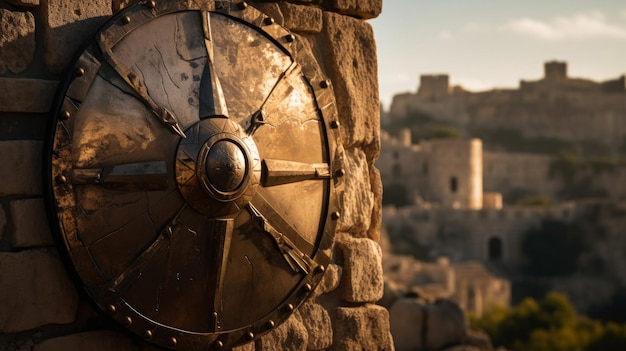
{"x":455,"y":173}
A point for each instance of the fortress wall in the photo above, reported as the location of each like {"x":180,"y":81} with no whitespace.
{"x":43,"y":310}
{"x":507,"y":171}
{"x":464,"y":234}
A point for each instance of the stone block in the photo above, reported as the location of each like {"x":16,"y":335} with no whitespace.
{"x":330,"y":281}
{"x":272,"y":10}
{"x":318,"y":325}
{"x":92,"y":341}
{"x":376,"y":185}
{"x":358,"y":199}
{"x":301,"y":18}
{"x":348,"y":45}
{"x":30,"y":224}
{"x":67,"y":25}
{"x":24,"y":3}
{"x":357,"y":8}
{"x":362,"y":269}
{"x":35,"y":291}
{"x":291,"y":335}
{"x":418,"y":325}
{"x":17,"y":40}
{"x":361,"y":328}
{"x":21,"y":167}
{"x":26,"y":95}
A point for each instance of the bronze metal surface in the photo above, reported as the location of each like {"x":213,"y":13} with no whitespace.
{"x":195,"y":173}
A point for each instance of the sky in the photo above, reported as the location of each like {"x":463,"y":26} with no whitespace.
{"x":484,"y":44}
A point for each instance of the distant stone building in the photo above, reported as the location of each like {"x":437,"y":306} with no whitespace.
{"x":443,"y":171}
{"x":555,"y":107}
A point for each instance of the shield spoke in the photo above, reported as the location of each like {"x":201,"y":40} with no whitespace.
{"x":276,"y":172}
{"x":142,"y":176}
{"x":220,"y":232}
{"x":290,"y":243}
{"x":212,"y":99}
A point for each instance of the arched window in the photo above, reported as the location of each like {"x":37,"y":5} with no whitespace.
{"x":495,"y":249}
{"x":454,"y":184}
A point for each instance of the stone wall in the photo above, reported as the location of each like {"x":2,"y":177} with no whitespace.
{"x":43,"y":310}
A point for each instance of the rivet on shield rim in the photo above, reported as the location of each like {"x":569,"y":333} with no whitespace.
{"x":79,"y":72}
{"x":335,"y":124}
{"x":335,"y":215}
{"x":147,"y":334}
{"x":290,"y":38}
{"x":172,"y":341}
{"x":268,"y":21}
{"x":125,"y":20}
{"x":242,"y":5}
{"x":61,"y":179}
{"x":218,"y":345}
{"x":151,"y":4}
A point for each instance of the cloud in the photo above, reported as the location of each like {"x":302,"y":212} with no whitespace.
{"x":583,"y":25}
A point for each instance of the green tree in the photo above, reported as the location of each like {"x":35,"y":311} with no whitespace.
{"x":551,"y":324}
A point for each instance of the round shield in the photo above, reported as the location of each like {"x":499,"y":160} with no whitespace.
{"x":194,"y":172}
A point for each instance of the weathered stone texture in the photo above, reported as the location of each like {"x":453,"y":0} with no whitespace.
{"x":26,"y":95}
{"x":357,"y":8}
{"x":302,"y":18}
{"x":361,"y":328}
{"x":376,"y":184}
{"x":330,"y":281}
{"x":30,"y":225}
{"x":272,"y":10}
{"x":362,"y":271}
{"x":291,"y":335}
{"x":91,"y":341}
{"x":358,"y":200}
{"x":349,"y":46}
{"x":67,"y":24}
{"x":35,"y":291}
{"x":21,"y":167}
{"x":24,"y":3}
{"x":318,"y":325}
{"x":417,"y":325}
{"x":245,"y":347}
{"x":17,"y":40}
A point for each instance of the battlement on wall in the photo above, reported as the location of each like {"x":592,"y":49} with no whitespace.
{"x":434,"y":86}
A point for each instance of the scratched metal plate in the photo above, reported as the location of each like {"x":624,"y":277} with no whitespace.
{"x":195,"y":172}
